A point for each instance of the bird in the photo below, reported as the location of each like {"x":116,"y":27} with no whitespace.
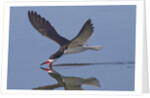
{"x":68,"y":82}
{"x":76,"y":45}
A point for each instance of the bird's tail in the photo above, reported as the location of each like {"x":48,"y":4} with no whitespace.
{"x":94,"y":47}
{"x":92,"y":81}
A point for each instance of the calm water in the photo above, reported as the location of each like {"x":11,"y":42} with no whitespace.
{"x":109,"y":74}
{"x":113,"y":66}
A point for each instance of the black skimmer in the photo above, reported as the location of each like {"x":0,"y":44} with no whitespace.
{"x":69,"y":83}
{"x":76,"y":45}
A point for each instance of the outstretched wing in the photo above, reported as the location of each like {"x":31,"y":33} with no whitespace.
{"x":84,"y":35}
{"x":45,"y":28}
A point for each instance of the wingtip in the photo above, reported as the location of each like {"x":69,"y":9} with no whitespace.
{"x":90,"y":20}
{"x":31,"y":12}
{"x":28,"y":12}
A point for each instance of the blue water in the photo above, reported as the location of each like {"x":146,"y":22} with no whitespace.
{"x":114,"y":29}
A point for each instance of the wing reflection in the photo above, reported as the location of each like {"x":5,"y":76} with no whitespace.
{"x":48,"y":87}
{"x":69,"y":83}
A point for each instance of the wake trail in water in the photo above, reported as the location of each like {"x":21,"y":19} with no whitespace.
{"x":97,"y":63}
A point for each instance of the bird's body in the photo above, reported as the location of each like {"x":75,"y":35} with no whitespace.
{"x":75,"y":50}
{"x":76,"y":45}
{"x":79,"y":49}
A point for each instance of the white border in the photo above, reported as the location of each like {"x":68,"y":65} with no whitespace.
{"x":139,"y":46}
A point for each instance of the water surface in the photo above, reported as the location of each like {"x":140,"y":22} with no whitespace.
{"x":113,"y":65}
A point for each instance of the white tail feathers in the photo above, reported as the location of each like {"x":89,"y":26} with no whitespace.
{"x":94,"y":47}
{"x":92,"y":81}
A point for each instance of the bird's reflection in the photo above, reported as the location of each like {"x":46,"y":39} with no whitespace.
{"x":69,"y":83}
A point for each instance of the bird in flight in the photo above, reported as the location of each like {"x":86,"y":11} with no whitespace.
{"x":76,"y":45}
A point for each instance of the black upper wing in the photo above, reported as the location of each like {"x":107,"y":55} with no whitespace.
{"x":45,"y":28}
